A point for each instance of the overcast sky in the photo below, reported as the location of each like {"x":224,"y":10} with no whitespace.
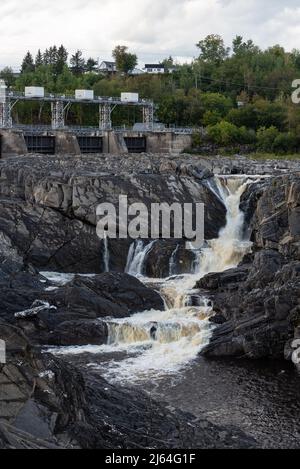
{"x":153,"y":29}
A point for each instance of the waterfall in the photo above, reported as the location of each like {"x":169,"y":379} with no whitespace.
{"x":164,"y":331}
{"x":106,"y":254}
{"x":137,"y":257}
{"x":173,"y":261}
{"x":230,"y":247}
{"x":213,"y":186}
{"x":166,"y":342}
{"x":170,"y":339}
{"x":157,"y":343}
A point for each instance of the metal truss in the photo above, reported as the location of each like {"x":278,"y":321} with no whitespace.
{"x":60,"y":105}
{"x":5,"y":115}
{"x":105,"y":111}
{"x":58,"y":114}
{"x":148,"y":117}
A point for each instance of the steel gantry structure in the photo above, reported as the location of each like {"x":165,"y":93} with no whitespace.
{"x":60,"y":104}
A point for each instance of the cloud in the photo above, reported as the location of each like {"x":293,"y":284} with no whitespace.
{"x":152,"y":28}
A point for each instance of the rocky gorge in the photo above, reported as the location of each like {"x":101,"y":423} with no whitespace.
{"x":55,"y":293}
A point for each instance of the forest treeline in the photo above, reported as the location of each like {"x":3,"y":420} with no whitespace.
{"x":241,"y":94}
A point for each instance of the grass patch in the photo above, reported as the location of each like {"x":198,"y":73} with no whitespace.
{"x":273,"y":156}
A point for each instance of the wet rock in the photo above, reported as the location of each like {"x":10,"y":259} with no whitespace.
{"x":217,"y":319}
{"x":81,"y":332}
{"x":167,"y":258}
{"x":44,"y":311}
{"x":258,"y":308}
{"x":49,"y":240}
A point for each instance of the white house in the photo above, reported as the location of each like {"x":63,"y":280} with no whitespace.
{"x":107,"y":67}
{"x":155,"y":68}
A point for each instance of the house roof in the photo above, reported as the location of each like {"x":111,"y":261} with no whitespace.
{"x":108,"y":64}
{"x":154,"y":66}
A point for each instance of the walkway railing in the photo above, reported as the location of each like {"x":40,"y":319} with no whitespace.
{"x":119,"y":129}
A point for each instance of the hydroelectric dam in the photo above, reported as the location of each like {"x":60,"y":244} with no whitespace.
{"x":59,"y":138}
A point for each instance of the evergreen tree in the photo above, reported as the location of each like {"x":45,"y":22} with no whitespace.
{"x":91,"y":65}
{"x":46,"y":57}
{"x":52,"y":54}
{"x":39,"y":59}
{"x":61,"y":60}
{"x":27,"y":64}
{"x":77,"y":63}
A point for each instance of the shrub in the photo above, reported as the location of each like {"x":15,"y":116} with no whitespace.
{"x":244,"y":116}
{"x":211,"y":118}
{"x":246,"y":136}
{"x":224,"y":133}
{"x":266,"y":138}
{"x":285,"y":143}
{"x":216,"y":102}
{"x":196,"y":139}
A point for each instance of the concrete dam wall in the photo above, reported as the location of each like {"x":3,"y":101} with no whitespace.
{"x":16,"y":142}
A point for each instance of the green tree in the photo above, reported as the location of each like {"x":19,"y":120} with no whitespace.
{"x":216,"y":102}
{"x":66,"y":81}
{"x":46,"y":57}
{"x":224,"y":133}
{"x":270,"y":114}
{"x":52,"y":55}
{"x":91,"y":65}
{"x":212,"y":49}
{"x":168,"y":63}
{"x":61,"y":59}
{"x":266,"y":138}
{"x":241,"y":48}
{"x":7,"y":75}
{"x":27,"y":64}
{"x":284,"y":143}
{"x":211,"y":118}
{"x":125,"y":61}
{"x":39,"y":59}
{"x":77,"y":63}
{"x":244,"y":116}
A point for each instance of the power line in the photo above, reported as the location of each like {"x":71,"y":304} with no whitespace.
{"x":242,"y":85}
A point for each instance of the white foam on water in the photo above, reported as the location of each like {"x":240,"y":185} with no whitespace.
{"x":93,"y":349}
{"x":58,"y":278}
{"x":62,"y":279}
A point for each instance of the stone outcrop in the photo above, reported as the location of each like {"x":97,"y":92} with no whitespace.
{"x":72,"y":312}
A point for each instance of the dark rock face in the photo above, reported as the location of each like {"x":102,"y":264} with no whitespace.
{"x":48,"y":239}
{"x":169,"y":257}
{"x":53,"y":203}
{"x":80,"y":332}
{"x":73,"y":309}
{"x":260,"y":299}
